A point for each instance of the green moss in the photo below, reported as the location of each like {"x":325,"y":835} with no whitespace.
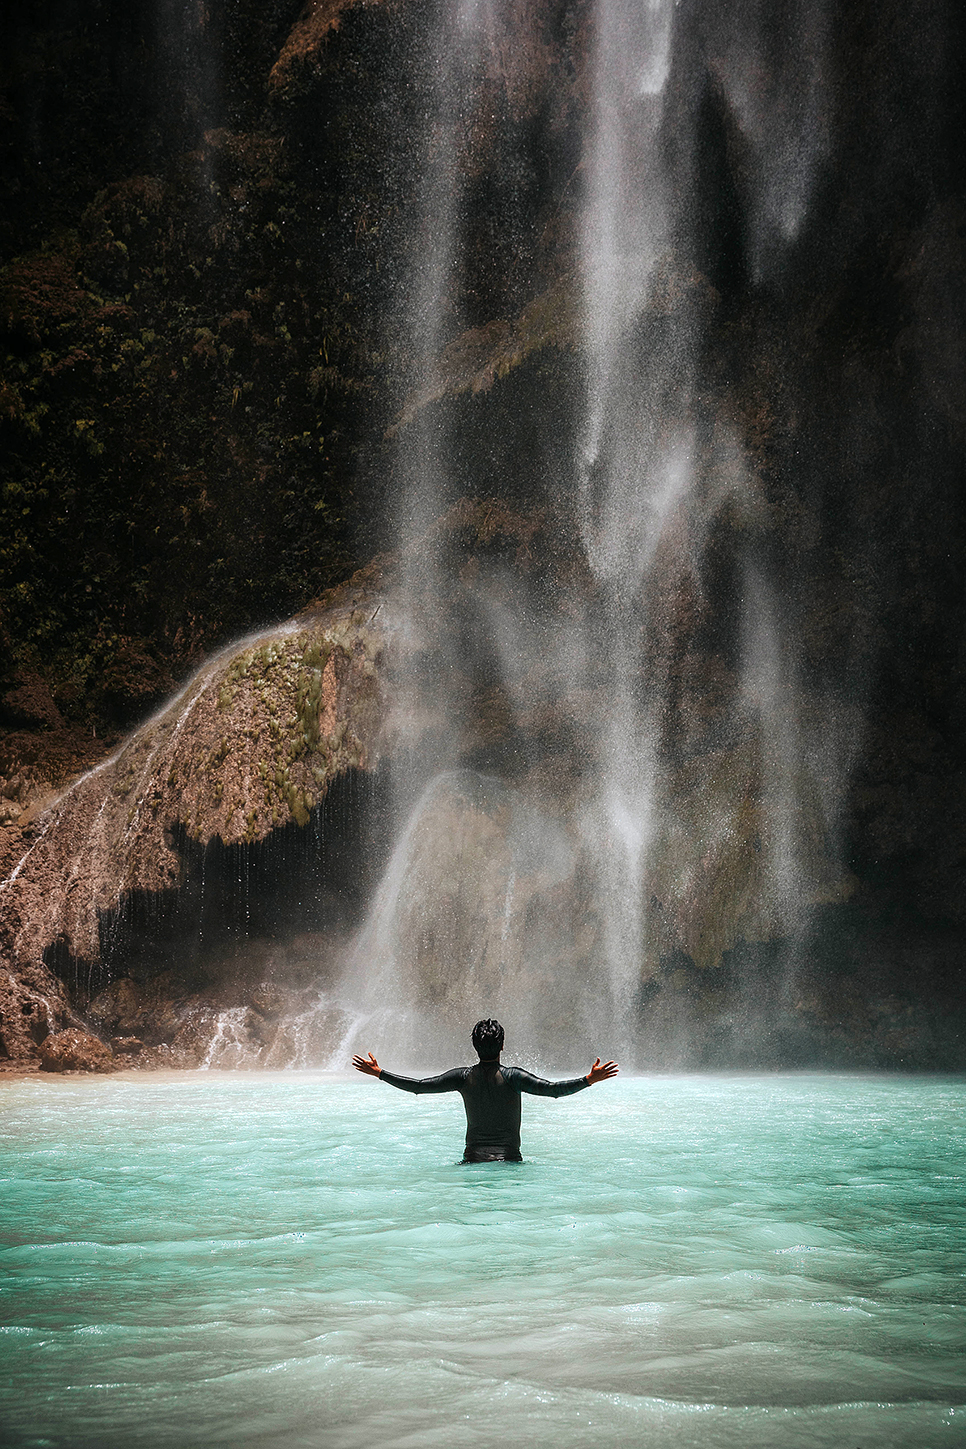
{"x":296,"y":803}
{"x":311,"y":671}
{"x":220,"y":753}
{"x":124,"y":783}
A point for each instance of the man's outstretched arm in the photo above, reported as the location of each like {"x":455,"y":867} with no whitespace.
{"x":447,"y":1082}
{"x":540,"y":1087}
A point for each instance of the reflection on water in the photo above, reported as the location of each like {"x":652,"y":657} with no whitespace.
{"x":299,"y":1260}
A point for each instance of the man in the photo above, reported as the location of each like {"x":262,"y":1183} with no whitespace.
{"x":490,"y":1092}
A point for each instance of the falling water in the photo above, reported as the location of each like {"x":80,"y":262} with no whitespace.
{"x":467,"y":921}
{"x":544,"y":883}
{"x":635,"y":468}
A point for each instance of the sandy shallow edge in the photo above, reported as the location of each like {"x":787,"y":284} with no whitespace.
{"x":17,"y":1071}
{"x":12,"y":1071}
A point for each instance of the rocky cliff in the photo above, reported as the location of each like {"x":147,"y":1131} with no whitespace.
{"x":208,"y":398}
{"x":197,"y":899}
{"x":250,"y":746}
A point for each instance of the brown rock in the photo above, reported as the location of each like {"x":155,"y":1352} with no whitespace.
{"x":309,"y":33}
{"x":128,"y":1046}
{"x":75,"y":1051}
{"x":269,"y":1000}
{"x":30,"y":1009}
{"x":119,"y":1007}
{"x":251,"y":743}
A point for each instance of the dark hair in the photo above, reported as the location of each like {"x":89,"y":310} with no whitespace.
{"x":488,"y":1039}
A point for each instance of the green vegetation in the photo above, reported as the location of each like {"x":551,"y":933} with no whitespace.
{"x":190,"y":368}
{"x":175,"y":468}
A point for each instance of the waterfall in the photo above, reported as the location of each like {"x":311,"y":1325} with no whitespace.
{"x":558,"y":908}
{"x":576,"y":751}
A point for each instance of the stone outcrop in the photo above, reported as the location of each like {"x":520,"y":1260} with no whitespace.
{"x":75,"y":1051}
{"x":250,"y":745}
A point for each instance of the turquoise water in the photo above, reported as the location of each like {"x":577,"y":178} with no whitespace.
{"x":298,"y":1260}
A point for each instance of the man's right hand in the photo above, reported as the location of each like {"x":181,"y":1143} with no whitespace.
{"x":600,"y":1073}
{"x":370,"y":1066}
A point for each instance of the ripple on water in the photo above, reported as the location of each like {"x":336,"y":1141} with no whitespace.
{"x":298,"y":1260}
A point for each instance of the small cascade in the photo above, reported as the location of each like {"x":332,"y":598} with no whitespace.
{"x":230,"y":1044}
{"x":193,"y":889}
{"x":100,"y":840}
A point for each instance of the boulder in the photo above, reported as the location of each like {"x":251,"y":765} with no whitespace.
{"x":75,"y":1051}
{"x":119,"y":1007}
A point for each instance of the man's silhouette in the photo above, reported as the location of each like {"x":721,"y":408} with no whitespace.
{"x":490,"y":1092}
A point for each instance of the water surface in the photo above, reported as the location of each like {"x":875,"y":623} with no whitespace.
{"x":299,"y":1260}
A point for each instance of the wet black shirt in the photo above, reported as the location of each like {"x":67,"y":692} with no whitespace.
{"x":491,"y":1096}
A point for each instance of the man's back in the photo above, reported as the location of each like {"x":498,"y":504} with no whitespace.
{"x":491,"y":1097}
{"x":490,"y":1092}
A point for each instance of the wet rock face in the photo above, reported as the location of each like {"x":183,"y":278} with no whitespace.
{"x":828,"y":424}
{"x":226,"y":1024}
{"x":31,"y":1008}
{"x":178,"y":877}
{"x":249,"y":749}
{"x":169,"y":888}
{"x":75,"y":1051}
{"x":251,"y":745}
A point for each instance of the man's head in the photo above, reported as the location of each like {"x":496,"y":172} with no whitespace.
{"x":488,"y":1039}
